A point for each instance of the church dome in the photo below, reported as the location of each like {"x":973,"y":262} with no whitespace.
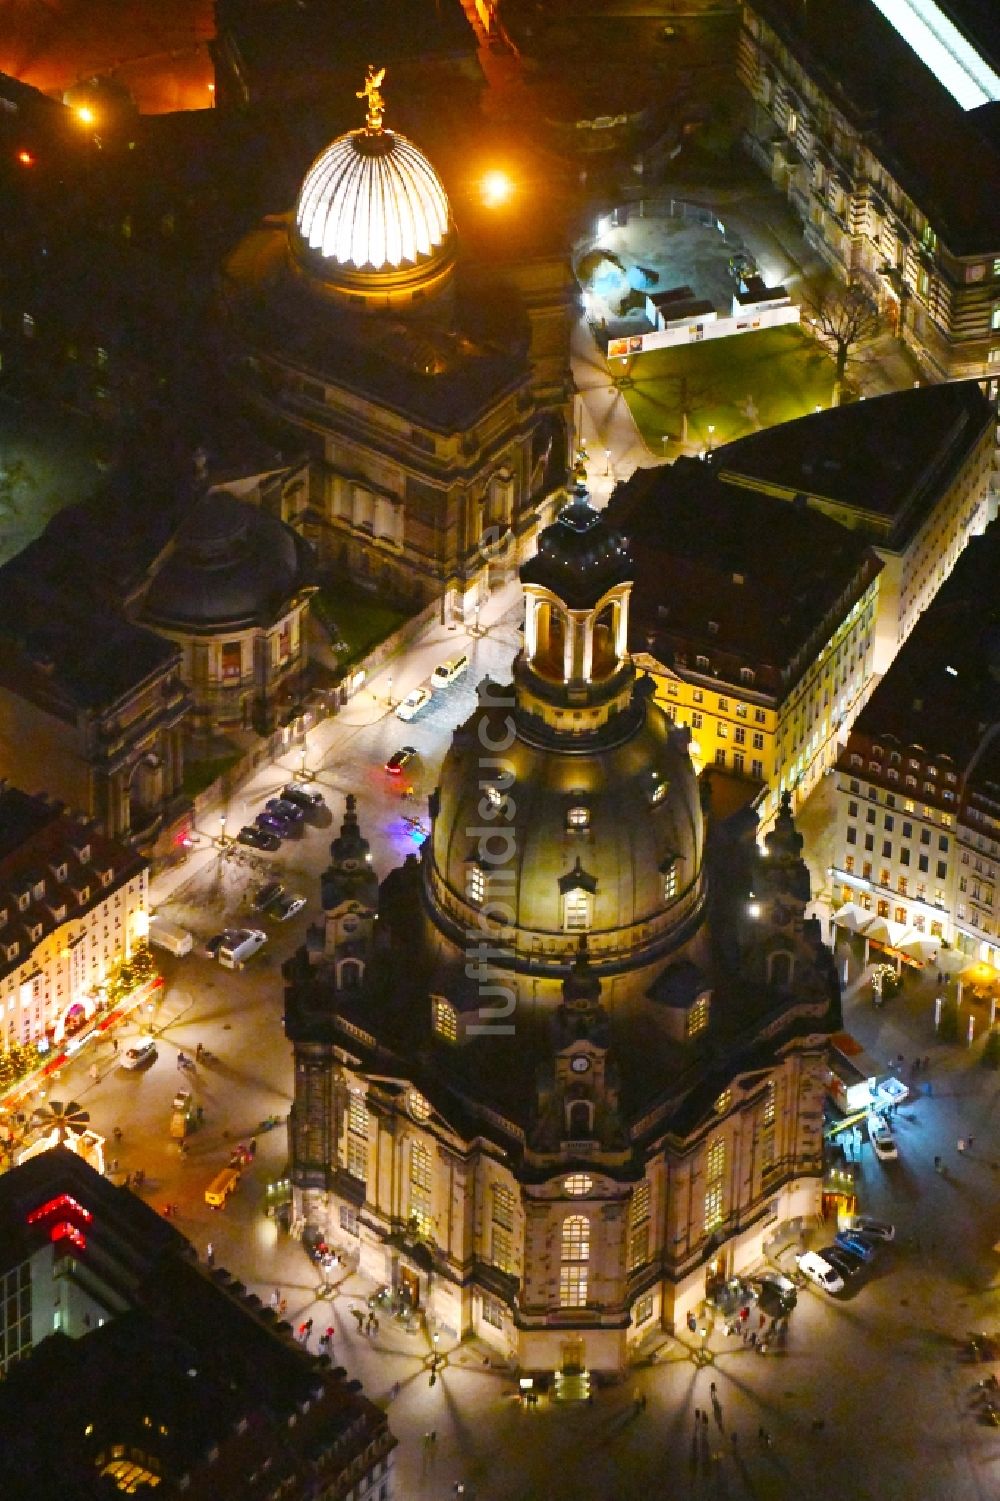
{"x":372,"y":212}
{"x":232,"y":565}
{"x":607,"y":841}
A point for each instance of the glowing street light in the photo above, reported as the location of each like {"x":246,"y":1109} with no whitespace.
{"x":496,"y":188}
{"x":85,"y":115}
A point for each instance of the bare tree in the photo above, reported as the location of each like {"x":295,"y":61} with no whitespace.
{"x":845,"y":318}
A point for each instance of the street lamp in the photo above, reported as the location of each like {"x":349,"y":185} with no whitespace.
{"x":222,"y":828}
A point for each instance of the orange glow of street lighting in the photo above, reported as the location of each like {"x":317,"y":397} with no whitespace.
{"x":496,"y":188}
{"x":26,"y":159}
{"x":85,"y":115}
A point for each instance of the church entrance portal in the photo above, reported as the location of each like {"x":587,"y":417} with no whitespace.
{"x":409,"y":1287}
{"x":572,"y":1357}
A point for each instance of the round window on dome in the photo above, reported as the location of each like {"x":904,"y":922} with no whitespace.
{"x":578,"y":1184}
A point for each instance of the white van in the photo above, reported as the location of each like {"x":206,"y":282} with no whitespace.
{"x":170,"y":936}
{"x":446,"y":672}
{"x":240,"y":946}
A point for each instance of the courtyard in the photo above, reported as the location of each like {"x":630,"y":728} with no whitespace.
{"x":48,"y":461}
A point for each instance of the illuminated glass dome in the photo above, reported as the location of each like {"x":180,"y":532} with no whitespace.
{"x":372,"y":215}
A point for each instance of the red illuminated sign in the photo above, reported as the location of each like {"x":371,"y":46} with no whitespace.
{"x":63,"y":1204}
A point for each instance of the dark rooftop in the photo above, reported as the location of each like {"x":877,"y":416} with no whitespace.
{"x":888,"y":457}
{"x":443,"y":376}
{"x":910,"y":120}
{"x":214,"y":1389}
{"x":288,"y":46}
{"x":745,"y":573}
{"x":942,"y":691}
{"x":65,"y":651}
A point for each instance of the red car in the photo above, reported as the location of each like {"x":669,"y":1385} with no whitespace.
{"x":398,"y":759}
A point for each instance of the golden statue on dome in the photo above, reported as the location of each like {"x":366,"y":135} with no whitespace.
{"x":373,"y":93}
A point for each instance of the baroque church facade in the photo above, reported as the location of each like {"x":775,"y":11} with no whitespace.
{"x":562,"y":1072}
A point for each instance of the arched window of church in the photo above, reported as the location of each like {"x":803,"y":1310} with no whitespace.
{"x":349,"y":973}
{"x":576,"y":911}
{"x":715,"y":1172}
{"x":420,"y":1187}
{"x":779,"y":969}
{"x":580,"y":1119}
{"x":502,"y":1228}
{"x":357,"y":1135}
{"x":445,"y":1018}
{"x":574,"y":1255}
{"x":639,"y":1225}
{"x":671,"y":877}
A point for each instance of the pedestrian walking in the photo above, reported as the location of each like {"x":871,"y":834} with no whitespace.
{"x":394,"y":1392}
{"x":925,"y":1065}
{"x":94,"y":1072}
{"x":762,"y":1321}
{"x":697,"y":1417}
{"x":210,"y":1254}
{"x":711,"y":1390}
{"x":937,"y":1164}
{"x":753,"y":1339}
{"x":282,"y":1308}
{"x":374,"y":1325}
{"x":181,"y":1060}
{"x":968,"y":1142}
{"x":199,"y":1050}
{"x":960,"y":1145}
{"x":117,"y":1133}
{"x":915,"y":1066}
{"x":276,"y":1297}
{"x":114,"y":1046}
{"x":252,"y":1147}
{"x":199,"y":1114}
{"x":704,"y":1418}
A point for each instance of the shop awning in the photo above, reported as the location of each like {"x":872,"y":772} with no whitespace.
{"x":883,"y":930}
{"x":918,"y":945}
{"x":851,"y":916}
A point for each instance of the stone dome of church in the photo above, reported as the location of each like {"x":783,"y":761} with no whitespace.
{"x":372,"y":211}
{"x":610,"y":837}
{"x":232,"y":565}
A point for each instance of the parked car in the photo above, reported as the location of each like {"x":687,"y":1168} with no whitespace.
{"x":412,"y":704}
{"x":446,"y":672}
{"x":307,"y":798}
{"x":858,"y":1245}
{"x":140,"y":1055}
{"x":399,"y":759}
{"x":283,"y":808}
{"x":258,"y":839}
{"x":240,"y":946}
{"x":265,"y":895}
{"x":182,"y":1100}
{"x":273,"y":825}
{"x":869,"y":1225}
{"x":842,"y":1261}
{"x":776,"y":1294}
{"x":286,"y":907}
{"x":882,"y":1139}
{"x":214,"y":944}
{"x":819,"y":1271}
